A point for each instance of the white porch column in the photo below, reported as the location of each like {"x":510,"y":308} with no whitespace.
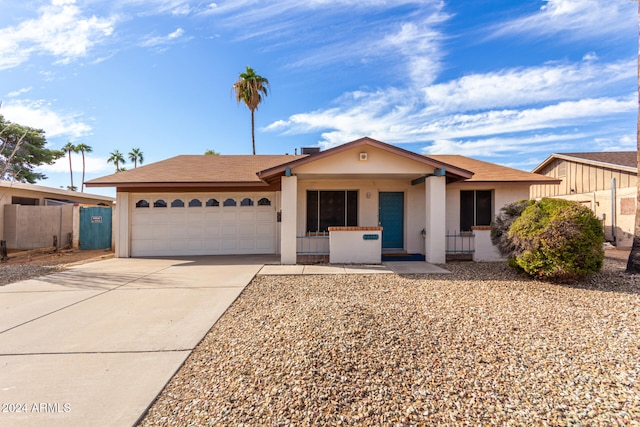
{"x":121,"y":225}
{"x":435,"y":219}
{"x":288,"y":227}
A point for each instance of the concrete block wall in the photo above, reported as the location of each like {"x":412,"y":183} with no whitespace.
{"x":32,"y":227}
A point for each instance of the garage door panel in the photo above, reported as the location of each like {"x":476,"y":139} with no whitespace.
{"x":195,"y":245}
{"x":211,"y":230}
{"x":159,"y":218}
{"x":229,"y":244}
{"x":194,"y":231}
{"x":202,"y":230}
{"x":175,"y":232}
{"x":212,"y":217}
{"x":247,"y":244}
{"x":246,"y":216}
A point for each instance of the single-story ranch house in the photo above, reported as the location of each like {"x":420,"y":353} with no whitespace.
{"x":351,"y":202}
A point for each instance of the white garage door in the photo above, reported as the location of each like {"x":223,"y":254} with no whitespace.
{"x":203,"y":224}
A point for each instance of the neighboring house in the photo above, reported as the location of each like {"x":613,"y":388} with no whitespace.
{"x":352,"y":202}
{"x":595,"y":180}
{"x":35,"y":213}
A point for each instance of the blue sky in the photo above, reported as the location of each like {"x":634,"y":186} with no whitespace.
{"x":504,"y":81}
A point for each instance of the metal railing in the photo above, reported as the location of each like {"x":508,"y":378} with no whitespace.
{"x":313,"y":247}
{"x":460,"y":243}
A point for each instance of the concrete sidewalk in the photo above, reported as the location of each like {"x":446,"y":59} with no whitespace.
{"x":391,"y":267}
{"x":94,"y":345}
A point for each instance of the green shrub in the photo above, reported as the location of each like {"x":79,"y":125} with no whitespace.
{"x":502,"y":223}
{"x":557,"y":239}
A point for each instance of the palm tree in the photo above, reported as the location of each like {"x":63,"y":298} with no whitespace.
{"x":135,"y":155}
{"x":83,"y":148}
{"x":116,"y":158}
{"x":70,"y":148}
{"x":633,"y":263}
{"x":249,"y":89}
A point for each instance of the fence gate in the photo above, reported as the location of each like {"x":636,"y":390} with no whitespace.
{"x":95,"y":227}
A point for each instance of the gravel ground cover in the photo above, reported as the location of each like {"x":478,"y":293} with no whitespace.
{"x":31,"y":264}
{"x":481,"y":346}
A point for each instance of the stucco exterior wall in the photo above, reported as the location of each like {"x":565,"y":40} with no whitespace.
{"x":32,"y":227}
{"x":368,"y":199}
{"x":503,"y":194}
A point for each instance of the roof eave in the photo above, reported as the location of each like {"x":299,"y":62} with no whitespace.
{"x":178,"y":184}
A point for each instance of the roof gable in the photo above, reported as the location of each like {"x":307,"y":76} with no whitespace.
{"x":452,"y":171}
{"x":621,"y":160}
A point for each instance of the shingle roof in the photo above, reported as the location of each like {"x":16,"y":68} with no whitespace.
{"x":192,"y":169}
{"x":490,"y":172}
{"x":624,"y":160}
{"x":621,"y":158}
{"x":243,"y":170}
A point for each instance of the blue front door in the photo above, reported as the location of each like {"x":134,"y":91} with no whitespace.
{"x":391,"y":213}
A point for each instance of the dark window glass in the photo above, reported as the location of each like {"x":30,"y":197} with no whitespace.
{"x":484,"y":213}
{"x":246,"y":202}
{"x":213,"y":203}
{"x":475,"y":208}
{"x":264,"y":202}
{"x":27,"y":201}
{"x":312,"y":210}
{"x":177,"y":203}
{"x":142,"y":204}
{"x":160,"y":204}
{"x":195,"y":203}
{"x":466,"y":210}
{"x":331,"y":208}
{"x":229,"y":202}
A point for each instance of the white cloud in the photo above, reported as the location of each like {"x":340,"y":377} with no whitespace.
{"x":574,"y":19}
{"x":60,"y":30}
{"x":38,"y":114}
{"x":93,"y":165}
{"x":162,"y":40}
{"x":19,"y":92}
{"x":524,"y":86}
{"x":496,"y":146}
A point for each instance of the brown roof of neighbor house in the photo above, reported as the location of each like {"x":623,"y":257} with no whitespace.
{"x":196,"y":170}
{"x":624,"y":160}
{"x":490,"y":172}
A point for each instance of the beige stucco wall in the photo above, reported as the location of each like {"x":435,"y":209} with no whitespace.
{"x":368,"y":198}
{"x":503,"y":194}
{"x":32,"y":227}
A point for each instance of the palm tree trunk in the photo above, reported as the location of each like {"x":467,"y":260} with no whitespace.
{"x":253,"y":134}
{"x":633,"y":264}
{"x":70,"y":169}
{"x":83,"y":168}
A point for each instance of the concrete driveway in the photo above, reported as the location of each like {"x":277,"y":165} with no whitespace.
{"x":95,"y":344}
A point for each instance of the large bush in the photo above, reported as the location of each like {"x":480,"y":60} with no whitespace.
{"x":556,"y":239}
{"x":500,"y":226}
